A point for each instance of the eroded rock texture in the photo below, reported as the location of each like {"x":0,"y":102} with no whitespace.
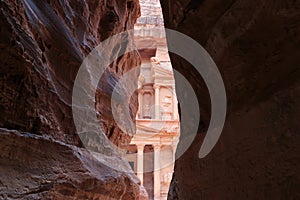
{"x":42,"y":45}
{"x":256,"y":46}
{"x":34,"y":167}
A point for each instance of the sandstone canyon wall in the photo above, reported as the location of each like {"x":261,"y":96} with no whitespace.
{"x":256,"y":46}
{"x":43,"y":43}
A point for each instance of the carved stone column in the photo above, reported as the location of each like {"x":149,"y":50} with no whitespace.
{"x":156,"y":105}
{"x":140,"y":162}
{"x":156,"y":172}
{"x":140,"y":100}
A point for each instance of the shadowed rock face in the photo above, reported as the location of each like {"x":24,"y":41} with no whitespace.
{"x":43,"y":44}
{"x":256,"y":46}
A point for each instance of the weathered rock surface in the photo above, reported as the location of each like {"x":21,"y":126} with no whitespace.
{"x":33,"y":167}
{"x":43,"y":44}
{"x":256,"y":46}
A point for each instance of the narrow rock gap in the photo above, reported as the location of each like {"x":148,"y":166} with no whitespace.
{"x":151,"y":153}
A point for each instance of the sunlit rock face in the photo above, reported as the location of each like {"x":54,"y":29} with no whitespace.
{"x":255,"y":45}
{"x":35,"y":167}
{"x":43,"y":44}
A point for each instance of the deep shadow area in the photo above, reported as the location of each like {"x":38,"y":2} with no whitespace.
{"x":255,"y":45}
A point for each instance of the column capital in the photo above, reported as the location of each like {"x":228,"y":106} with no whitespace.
{"x":156,"y":147}
{"x":140,"y":147}
{"x":175,"y":142}
{"x":174,"y":146}
{"x":155,"y":86}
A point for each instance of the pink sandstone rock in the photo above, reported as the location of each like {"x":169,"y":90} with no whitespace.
{"x":42,"y":46}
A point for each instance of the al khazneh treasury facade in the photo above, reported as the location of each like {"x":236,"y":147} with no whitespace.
{"x":151,"y":153}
